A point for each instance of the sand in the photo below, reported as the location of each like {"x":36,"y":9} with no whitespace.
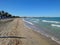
{"x":16,"y":28}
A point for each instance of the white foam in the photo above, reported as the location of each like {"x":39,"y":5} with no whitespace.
{"x":55,"y":39}
{"x":55,"y":25}
{"x":50,"y":21}
{"x":28,"y":22}
{"x":36,"y":20}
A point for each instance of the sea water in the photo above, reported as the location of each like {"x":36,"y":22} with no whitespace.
{"x":47,"y":26}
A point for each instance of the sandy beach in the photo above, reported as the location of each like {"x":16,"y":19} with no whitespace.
{"x":16,"y":27}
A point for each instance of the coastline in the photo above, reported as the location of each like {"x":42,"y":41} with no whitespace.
{"x":50,"y":40}
{"x":17,"y":28}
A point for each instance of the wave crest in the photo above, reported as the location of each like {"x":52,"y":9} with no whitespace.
{"x":50,"y":21}
{"x":55,"y":25}
{"x":28,"y":22}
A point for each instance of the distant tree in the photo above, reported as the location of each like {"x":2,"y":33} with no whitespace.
{"x":0,"y":12}
{"x":9,"y":15}
{"x":6,"y":15}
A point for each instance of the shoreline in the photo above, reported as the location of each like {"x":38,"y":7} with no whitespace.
{"x":17,"y":28}
{"x":49,"y":39}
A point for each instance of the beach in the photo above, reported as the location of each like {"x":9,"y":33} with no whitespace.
{"x":16,"y":27}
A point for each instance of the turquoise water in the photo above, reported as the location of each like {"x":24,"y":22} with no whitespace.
{"x":48,"y":26}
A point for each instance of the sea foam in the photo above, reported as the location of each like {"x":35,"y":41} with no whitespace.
{"x":36,"y":20}
{"x":50,"y":21}
{"x":53,"y":38}
{"x":28,"y":22}
{"x":55,"y":25}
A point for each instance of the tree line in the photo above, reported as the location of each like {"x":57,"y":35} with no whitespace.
{"x":4,"y":14}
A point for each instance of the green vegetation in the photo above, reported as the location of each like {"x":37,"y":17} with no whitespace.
{"x":6,"y":15}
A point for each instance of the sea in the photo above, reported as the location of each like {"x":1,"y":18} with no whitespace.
{"x":47,"y":26}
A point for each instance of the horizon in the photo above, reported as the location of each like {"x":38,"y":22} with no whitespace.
{"x":32,"y":8}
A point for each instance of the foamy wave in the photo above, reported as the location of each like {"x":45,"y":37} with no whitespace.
{"x":56,"y":40}
{"x":53,"y":38}
{"x":55,"y":25}
{"x":36,"y":20}
{"x":49,"y":36}
{"x":50,"y":21}
{"x":28,"y":22}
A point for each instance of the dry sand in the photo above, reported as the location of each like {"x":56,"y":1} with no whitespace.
{"x":16,"y":28}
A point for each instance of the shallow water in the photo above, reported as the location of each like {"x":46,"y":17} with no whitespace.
{"x":49,"y":27}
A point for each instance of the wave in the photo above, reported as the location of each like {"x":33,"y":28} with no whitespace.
{"x":28,"y":22}
{"x":44,"y":34}
{"x":50,"y":21}
{"x":36,"y":20}
{"x":55,"y":25}
{"x":56,"y":40}
{"x":51,"y":37}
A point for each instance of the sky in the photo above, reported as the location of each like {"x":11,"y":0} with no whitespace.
{"x":36,"y":8}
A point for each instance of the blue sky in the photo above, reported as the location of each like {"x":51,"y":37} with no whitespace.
{"x":31,"y":7}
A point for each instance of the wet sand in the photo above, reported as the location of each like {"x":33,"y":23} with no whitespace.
{"x":16,"y":28}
